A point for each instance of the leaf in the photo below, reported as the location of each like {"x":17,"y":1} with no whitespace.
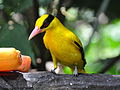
{"x":16,"y":5}
{"x":16,"y":36}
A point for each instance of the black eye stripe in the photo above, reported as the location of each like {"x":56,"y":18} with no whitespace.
{"x":47,"y":21}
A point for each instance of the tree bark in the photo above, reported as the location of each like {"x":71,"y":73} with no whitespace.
{"x":50,"y":81}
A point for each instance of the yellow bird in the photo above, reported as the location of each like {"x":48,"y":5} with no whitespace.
{"x":64,"y":46}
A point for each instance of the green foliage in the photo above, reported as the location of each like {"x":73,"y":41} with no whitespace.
{"x":44,"y":3}
{"x":16,"y":36}
{"x":107,"y":45}
{"x":67,"y":70}
{"x":16,"y":5}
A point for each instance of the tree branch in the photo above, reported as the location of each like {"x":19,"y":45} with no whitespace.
{"x":36,"y":9}
{"x":110,"y":64}
{"x":102,"y":8}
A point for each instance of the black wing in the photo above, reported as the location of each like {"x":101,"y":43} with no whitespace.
{"x":82,"y":52}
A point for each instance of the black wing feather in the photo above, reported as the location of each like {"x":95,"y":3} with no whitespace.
{"x":82,"y":52}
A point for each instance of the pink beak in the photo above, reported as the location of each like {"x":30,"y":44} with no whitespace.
{"x":34,"y":32}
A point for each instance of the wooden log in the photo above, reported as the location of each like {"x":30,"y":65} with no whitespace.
{"x":50,"y":81}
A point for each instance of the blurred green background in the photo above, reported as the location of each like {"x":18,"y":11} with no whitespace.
{"x":95,"y":22}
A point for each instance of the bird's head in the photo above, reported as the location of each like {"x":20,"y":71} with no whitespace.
{"x":45,"y":22}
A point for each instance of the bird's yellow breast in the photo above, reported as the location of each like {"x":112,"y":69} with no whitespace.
{"x":58,"y":41}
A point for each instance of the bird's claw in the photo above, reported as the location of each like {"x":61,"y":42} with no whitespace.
{"x":75,"y":75}
{"x":53,"y":71}
{"x":75,"y":71}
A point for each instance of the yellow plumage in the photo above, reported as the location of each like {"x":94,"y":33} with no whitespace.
{"x":64,"y":46}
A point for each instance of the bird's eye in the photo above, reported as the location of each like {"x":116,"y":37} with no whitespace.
{"x":45,"y":25}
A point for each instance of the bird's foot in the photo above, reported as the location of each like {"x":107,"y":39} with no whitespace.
{"x":75,"y":75}
{"x":53,"y":70}
{"x":75,"y":71}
